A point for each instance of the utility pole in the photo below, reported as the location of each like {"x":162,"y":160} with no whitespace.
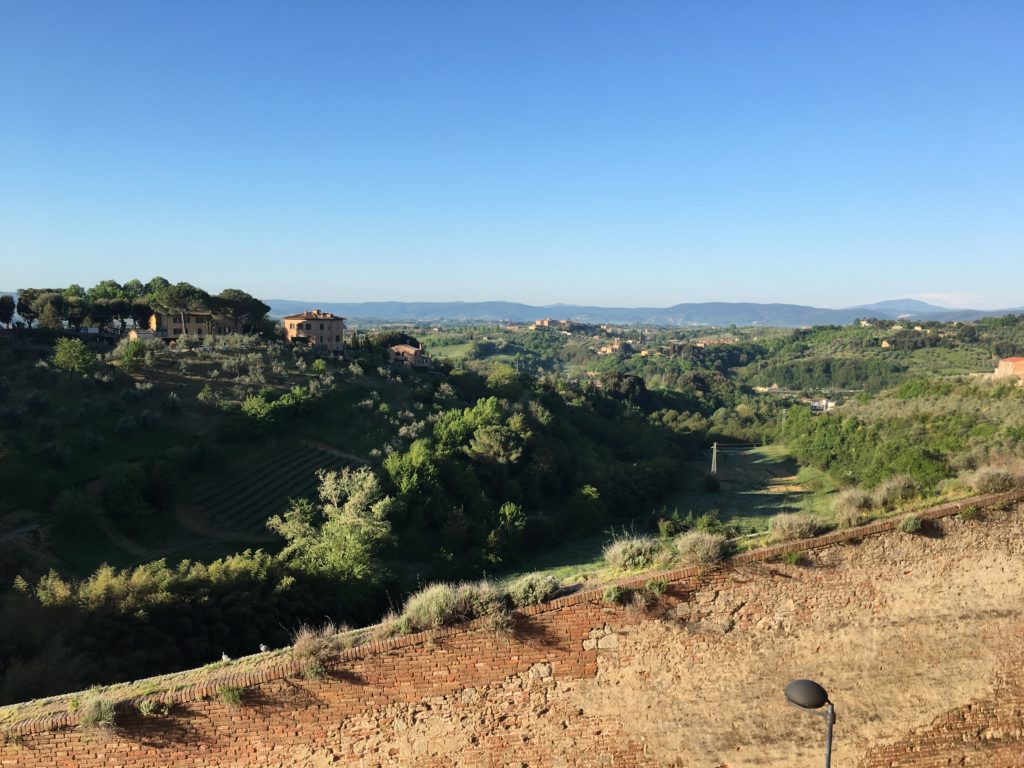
{"x":714,"y":459}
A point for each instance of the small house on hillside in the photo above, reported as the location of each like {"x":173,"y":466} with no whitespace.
{"x":407,"y":354}
{"x":170,"y":325}
{"x":1010,"y":366}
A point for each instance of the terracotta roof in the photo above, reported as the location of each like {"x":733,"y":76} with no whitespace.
{"x":407,"y":349}
{"x":1012,"y":360}
{"x":314,"y":314}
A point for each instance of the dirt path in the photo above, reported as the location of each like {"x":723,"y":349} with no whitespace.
{"x":192,"y":519}
{"x":128,"y":545}
{"x":334,"y":451}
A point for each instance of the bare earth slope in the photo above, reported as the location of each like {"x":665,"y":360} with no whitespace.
{"x":919,"y":639}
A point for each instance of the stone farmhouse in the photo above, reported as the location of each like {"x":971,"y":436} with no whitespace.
{"x":324,"y":331}
{"x":1010,"y":366}
{"x":406,"y":354}
{"x":169,"y":325}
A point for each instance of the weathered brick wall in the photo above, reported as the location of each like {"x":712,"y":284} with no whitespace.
{"x":917,"y":637}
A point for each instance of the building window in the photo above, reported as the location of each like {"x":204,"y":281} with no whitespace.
{"x":337,"y":338}
{"x":177,"y":331}
{"x":200,"y":331}
{"x":309,"y":326}
{"x":321,"y":326}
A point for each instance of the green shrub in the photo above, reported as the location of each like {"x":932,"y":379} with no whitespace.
{"x":911,"y":524}
{"x":153,"y":708}
{"x":231,"y":695}
{"x":791,"y":526}
{"x":615,"y":595}
{"x":700,"y":548}
{"x":793,"y":558}
{"x":532,"y":589}
{"x":72,"y":355}
{"x":130,"y":352}
{"x":633,"y":552}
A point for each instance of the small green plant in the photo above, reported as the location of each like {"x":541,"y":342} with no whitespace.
{"x":153,"y":708}
{"x":910,"y":524}
{"x":615,"y":595}
{"x":793,"y":558}
{"x":206,"y":395}
{"x":969,"y":513}
{"x":230,"y":695}
{"x":656,"y":586}
{"x":319,"y":366}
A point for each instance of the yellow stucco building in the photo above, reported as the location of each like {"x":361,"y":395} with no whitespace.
{"x":324,"y":330}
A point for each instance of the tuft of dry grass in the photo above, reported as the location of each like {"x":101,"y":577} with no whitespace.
{"x":442,"y":605}
{"x":895,"y":491}
{"x":791,"y":526}
{"x":313,"y":646}
{"x":633,"y":553}
{"x":97,"y":713}
{"x":850,"y":507}
{"x":700,"y":547}
{"x":533,"y":588}
{"x":996,"y":478}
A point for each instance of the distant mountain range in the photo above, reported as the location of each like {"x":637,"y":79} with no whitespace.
{"x":718,"y":313}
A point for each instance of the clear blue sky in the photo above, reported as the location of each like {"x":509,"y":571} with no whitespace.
{"x":626,"y":153}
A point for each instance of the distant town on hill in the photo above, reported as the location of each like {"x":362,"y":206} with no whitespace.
{"x":717,"y":313}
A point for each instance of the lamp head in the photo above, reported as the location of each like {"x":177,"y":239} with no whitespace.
{"x":806,"y":694}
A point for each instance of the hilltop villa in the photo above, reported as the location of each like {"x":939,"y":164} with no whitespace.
{"x":323,"y":330}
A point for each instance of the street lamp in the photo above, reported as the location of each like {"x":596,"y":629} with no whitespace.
{"x":811,"y":697}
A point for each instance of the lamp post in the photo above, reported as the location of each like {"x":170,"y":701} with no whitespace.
{"x":811,"y":697}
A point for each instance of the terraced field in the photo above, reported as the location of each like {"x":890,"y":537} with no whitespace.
{"x":236,"y":508}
